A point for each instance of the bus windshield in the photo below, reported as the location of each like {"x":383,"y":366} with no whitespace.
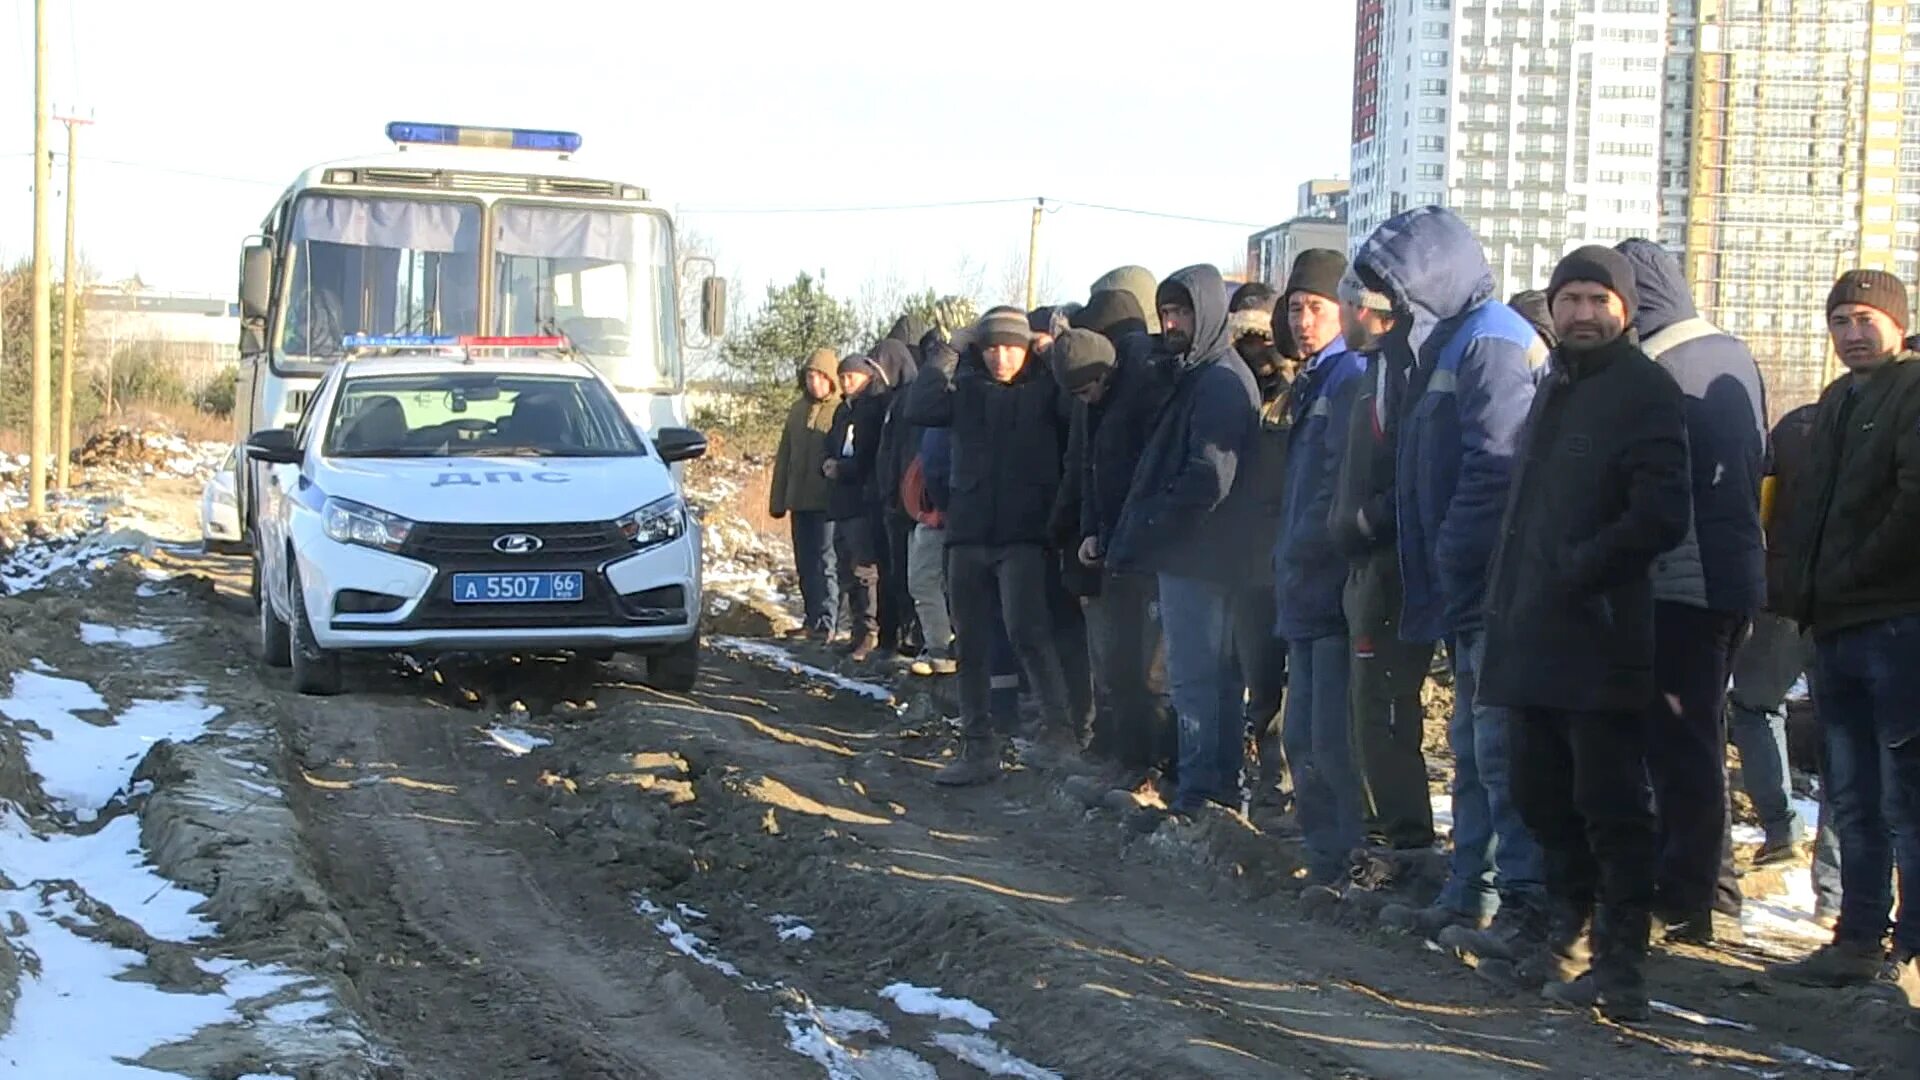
{"x":603,"y":278}
{"x":378,"y":266}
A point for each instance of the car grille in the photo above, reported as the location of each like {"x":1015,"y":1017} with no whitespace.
{"x":438,"y":543}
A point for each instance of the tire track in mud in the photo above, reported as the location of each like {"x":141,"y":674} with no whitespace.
{"x":490,"y":890}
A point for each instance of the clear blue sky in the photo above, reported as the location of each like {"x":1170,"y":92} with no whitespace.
{"x":1216,"y":111}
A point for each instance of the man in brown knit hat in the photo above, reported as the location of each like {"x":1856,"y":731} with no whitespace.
{"x":1851,"y":578}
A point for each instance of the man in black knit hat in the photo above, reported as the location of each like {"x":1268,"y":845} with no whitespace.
{"x":1600,"y":489}
{"x":1852,"y":579}
{"x":1008,"y":427}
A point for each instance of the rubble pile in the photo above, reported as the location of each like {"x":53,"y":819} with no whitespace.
{"x":141,"y":452}
{"x":748,"y":574}
{"x":108,"y":468}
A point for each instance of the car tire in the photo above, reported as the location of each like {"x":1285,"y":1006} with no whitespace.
{"x":677,"y":668}
{"x":276,"y":641}
{"x":316,"y":671}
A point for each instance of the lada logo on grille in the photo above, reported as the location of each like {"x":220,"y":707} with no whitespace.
{"x":518,"y":544}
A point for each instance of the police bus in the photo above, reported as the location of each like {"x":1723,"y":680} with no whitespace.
{"x":460,"y":231}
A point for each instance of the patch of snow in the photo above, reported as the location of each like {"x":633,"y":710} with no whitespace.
{"x":298,"y":1012}
{"x":1443,"y":814}
{"x":791,"y":928}
{"x":929,"y":1001}
{"x":991,"y":1058}
{"x":809,"y":1035}
{"x":1698,"y":1018}
{"x":1811,"y":1060}
{"x":690,"y":914}
{"x":780,"y":658}
{"x":83,"y":765}
{"x":515,"y":741}
{"x":109,"y":866}
{"x":42,"y":666}
{"x":79,"y":990}
{"x":138,"y":637}
{"x":690,"y":945}
{"x":1787,"y":915}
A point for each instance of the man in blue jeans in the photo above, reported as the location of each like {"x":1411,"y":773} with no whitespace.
{"x":1310,"y":578}
{"x":1187,"y":520}
{"x":1854,"y":582}
{"x":1467,"y":396}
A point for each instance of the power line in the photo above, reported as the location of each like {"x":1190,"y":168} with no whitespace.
{"x":1164,"y":214}
{"x":848,"y":209}
{"x":951,"y":204}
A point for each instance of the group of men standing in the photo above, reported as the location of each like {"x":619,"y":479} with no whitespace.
{"x":1572,"y":494}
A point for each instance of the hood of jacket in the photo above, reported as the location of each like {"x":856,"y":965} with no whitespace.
{"x":1664,"y":296}
{"x":908,"y":329}
{"x":893,"y":359}
{"x":826,"y":363}
{"x":1429,"y":264}
{"x":1139,"y":281}
{"x":1212,"y":337}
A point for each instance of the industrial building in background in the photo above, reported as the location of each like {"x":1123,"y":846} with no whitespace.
{"x":1319,"y":221}
{"x":1772,"y":143}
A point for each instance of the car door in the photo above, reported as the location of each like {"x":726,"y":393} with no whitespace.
{"x":279,"y":482}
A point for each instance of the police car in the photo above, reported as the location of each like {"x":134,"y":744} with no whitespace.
{"x":472,"y":495}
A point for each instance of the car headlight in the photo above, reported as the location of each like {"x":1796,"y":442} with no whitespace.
{"x":655,"y":523}
{"x":349,"y":522}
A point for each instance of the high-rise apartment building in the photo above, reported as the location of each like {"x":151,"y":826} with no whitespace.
{"x":1773,"y":143}
{"x":1538,"y":121}
{"x":1792,"y":146}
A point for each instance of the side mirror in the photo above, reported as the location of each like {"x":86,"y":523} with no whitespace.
{"x":277,"y":446}
{"x":256,"y":282}
{"x":713,"y":307}
{"x":679,"y":444}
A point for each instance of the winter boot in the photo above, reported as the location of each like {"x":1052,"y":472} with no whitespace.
{"x":1429,"y":921}
{"x":1517,"y":930}
{"x":978,"y":763}
{"x":862,"y":647}
{"x":1565,"y":955}
{"x":1620,"y":936}
{"x":1842,"y":963}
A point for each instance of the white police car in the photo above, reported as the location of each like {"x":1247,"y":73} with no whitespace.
{"x":472,"y":495}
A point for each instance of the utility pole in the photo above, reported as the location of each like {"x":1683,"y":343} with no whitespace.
{"x":68,"y":358}
{"x":1033,"y":254}
{"x":42,"y":283}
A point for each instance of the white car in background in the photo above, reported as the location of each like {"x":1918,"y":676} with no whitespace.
{"x":219,"y":513}
{"x":437,"y":500}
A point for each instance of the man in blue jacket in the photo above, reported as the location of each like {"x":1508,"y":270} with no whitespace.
{"x":1466,"y":399}
{"x":1706,"y":594}
{"x":1186,"y":520}
{"x":1310,"y":577}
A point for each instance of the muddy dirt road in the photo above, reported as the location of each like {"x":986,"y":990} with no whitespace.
{"x":545,"y":870}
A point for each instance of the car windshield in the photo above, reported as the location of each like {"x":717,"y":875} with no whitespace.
{"x":467,"y":413}
{"x":378,"y":266}
{"x":603,"y":278}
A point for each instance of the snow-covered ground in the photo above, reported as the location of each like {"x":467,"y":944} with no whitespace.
{"x":66,"y":890}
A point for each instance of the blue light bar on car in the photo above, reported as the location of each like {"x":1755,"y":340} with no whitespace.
{"x":402,"y":132}
{"x":392,"y":341}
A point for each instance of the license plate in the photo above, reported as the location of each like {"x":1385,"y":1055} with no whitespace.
{"x":551,"y":587}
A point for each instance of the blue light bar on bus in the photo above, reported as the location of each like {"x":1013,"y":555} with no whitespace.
{"x":564,"y":142}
